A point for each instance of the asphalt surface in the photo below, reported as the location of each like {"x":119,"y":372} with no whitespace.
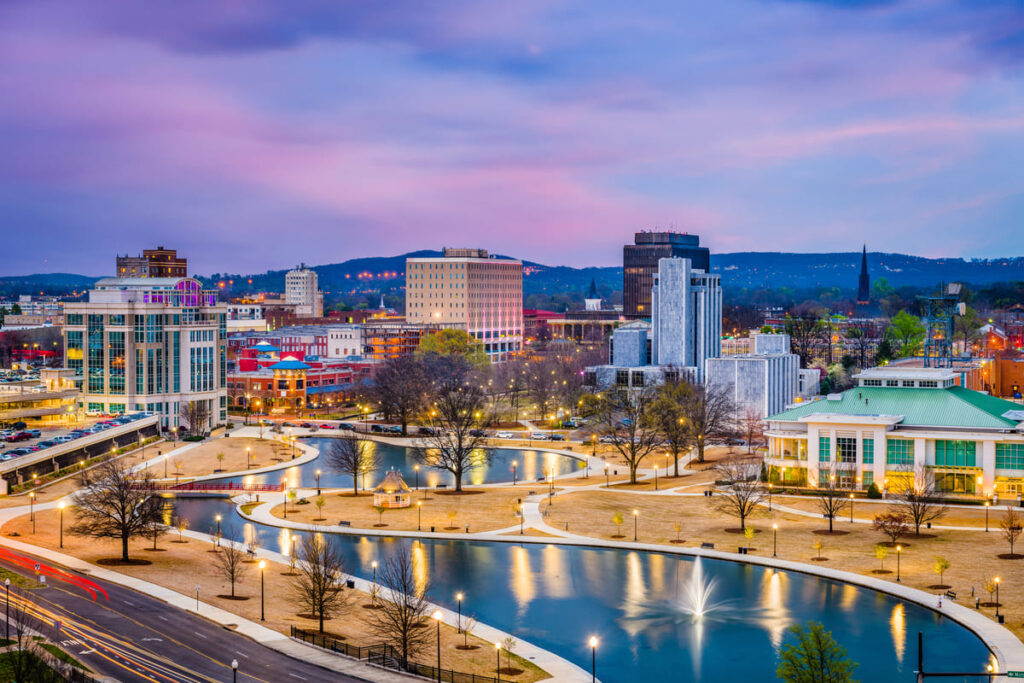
{"x":128,"y":636}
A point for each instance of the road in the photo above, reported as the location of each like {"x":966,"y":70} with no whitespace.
{"x":131,"y":637}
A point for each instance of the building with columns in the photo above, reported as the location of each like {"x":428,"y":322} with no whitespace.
{"x":897,"y":422}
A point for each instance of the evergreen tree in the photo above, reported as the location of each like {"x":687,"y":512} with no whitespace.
{"x":814,"y":657}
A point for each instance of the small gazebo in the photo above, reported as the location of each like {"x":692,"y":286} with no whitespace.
{"x":392,"y":492}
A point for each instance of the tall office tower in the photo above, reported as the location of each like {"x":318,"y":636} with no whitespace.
{"x":640,"y":261}
{"x":159,"y":262}
{"x":301,"y":290}
{"x":467,"y":289}
{"x":151,"y":344}
{"x":686,"y":303}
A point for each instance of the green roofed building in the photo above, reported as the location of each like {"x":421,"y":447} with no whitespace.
{"x":899,"y":423}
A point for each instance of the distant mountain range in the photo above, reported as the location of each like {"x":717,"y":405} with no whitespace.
{"x":752,"y":270}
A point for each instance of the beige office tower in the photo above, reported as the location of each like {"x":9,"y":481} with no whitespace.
{"x":467,"y":289}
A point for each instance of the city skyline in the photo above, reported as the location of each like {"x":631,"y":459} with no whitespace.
{"x":549,"y":133}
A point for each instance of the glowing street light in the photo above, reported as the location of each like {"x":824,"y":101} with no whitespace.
{"x":458,"y":624}
{"x":636,"y":514}
{"x":899,"y":551}
{"x":437,"y":619}
{"x":775,"y":540}
{"x":60,"y":506}
{"x":593,"y":659}
{"x":263,"y":566}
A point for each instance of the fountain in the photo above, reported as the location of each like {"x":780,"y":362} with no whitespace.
{"x":696,"y":597}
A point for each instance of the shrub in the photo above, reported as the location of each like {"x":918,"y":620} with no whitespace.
{"x":874,"y":492}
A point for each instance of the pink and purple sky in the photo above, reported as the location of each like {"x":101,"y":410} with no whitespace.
{"x":252,"y":135}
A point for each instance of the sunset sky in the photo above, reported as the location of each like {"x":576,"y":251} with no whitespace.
{"x":252,"y":135}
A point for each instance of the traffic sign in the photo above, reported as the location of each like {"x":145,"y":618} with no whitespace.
{"x":1015,"y":674}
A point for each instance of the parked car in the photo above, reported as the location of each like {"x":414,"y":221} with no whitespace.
{"x":556,"y":437}
{"x":377,"y":429}
{"x":426,"y":431}
{"x":347,"y":426}
{"x":287,"y":424}
{"x":64,"y":438}
{"x":15,"y":452}
{"x":539,"y":436}
{"x":607,"y":438}
{"x":477,"y":432}
{"x":503,"y":435}
{"x":18,"y":436}
{"x":47,"y":443}
{"x":306,"y":425}
{"x":326,"y":426}
{"x":394,"y":429}
{"x":33,"y":433}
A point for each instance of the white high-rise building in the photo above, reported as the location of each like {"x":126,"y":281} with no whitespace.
{"x":467,"y":289}
{"x":152,"y":344}
{"x":301,"y":289}
{"x":686,"y":304}
{"x":761,"y":383}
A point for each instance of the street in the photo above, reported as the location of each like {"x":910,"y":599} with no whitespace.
{"x":130,"y":637}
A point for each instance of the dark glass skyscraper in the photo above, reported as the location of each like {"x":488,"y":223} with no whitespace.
{"x":640,"y":263}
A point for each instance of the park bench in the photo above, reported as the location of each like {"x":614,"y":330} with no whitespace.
{"x":951,"y":595}
{"x":344,"y":523}
{"x":707,"y":546}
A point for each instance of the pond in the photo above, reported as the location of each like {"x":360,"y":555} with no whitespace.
{"x":657,"y":616}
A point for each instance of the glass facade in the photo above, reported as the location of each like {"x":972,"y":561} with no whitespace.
{"x":868,"y":451}
{"x":899,"y":452}
{"x":96,"y":354}
{"x":74,"y":354}
{"x":846,"y":449}
{"x":824,"y":449}
{"x":950,"y":453}
{"x":116,"y":378}
{"x":1010,"y":456}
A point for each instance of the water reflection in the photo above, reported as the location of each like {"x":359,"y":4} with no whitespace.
{"x":557,"y":596}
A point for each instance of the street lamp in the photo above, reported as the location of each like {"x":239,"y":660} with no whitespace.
{"x":458,"y":623}
{"x":7,"y":610}
{"x":593,"y":659}
{"x":318,"y":482}
{"x":218,"y":518}
{"x":635,"y":514}
{"x":497,"y":657}
{"x":997,"y":597}
{"x":419,"y":515}
{"x":522,"y":517}
{"x":899,"y":551}
{"x":514,"y":472}
{"x":655,"y":477}
{"x":986,"y":516}
{"x":417,"y":468}
{"x":248,"y":457}
{"x":374,"y":565}
{"x":606,"y":482}
{"x":60,"y":506}
{"x":32,"y":509}
{"x":851,"y":508}
{"x":263,"y":566}
{"x":234,"y":671}
{"x":167,"y":457}
{"x":769,"y":497}
{"x":437,"y":619}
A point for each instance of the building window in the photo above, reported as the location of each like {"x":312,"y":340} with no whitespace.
{"x":824,"y":449}
{"x":74,"y":319}
{"x":868,"y":451}
{"x":899,"y":452}
{"x":892,"y":383}
{"x":622,"y":377}
{"x":846,"y":449}
{"x":872,"y":383}
{"x":590,"y":378}
{"x":867,"y":477}
{"x":1010,"y":456}
{"x":949,"y":453}
{"x":928,"y":384}
{"x":638,"y":379}
{"x":955,"y":482}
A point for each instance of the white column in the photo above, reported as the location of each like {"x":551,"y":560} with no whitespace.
{"x":880,"y":452}
{"x":920,"y":453}
{"x":988,"y":466}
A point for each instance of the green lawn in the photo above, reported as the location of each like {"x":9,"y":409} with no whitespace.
{"x":63,"y":656}
{"x":36,"y":669}
{"x":18,"y":580}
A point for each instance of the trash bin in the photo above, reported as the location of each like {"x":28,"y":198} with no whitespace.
{"x":431,"y":529}
{"x":929,"y":525}
{"x":350,"y":584}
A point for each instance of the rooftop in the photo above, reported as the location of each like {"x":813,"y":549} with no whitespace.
{"x":951,"y":407}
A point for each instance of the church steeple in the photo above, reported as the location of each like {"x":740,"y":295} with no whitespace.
{"x":864,"y":283}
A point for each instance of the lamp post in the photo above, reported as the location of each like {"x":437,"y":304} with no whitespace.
{"x":419,"y":515}
{"x":655,"y":477}
{"x":167,"y":457}
{"x":234,"y":671}
{"x":986,"y":516}
{"x":458,"y":623}
{"x":551,"y":482}
{"x":769,"y":497}
{"x":899,"y":551}
{"x":7,"y":610}
{"x":417,"y":468}
{"x":263,"y":566}
{"x":997,"y":597}
{"x":293,"y":448}
{"x":775,"y":540}
{"x":32,"y":509}
{"x":514,"y":472}
{"x":593,"y":659}
{"x":522,"y":517}
{"x":364,"y":477}
{"x":374,"y":589}
{"x":248,"y":457}
{"x":782,"y":477}
{"x":218,"y":518}
{"x":318,"y":482}
{"x":437,"y":620}
{"x":636,"y":513}
{"x":497,"y":658}
{"x":60,"y":506}
{"x":851,"y":508}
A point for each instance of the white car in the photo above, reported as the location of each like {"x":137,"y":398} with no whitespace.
{"x":503,"y":435}
{"x":539,"y":436}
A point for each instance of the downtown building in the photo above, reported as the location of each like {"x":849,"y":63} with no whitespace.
{"x":159,"y":262}
{"x":302,"y":292}
{"x":640,"y":262}
{"x":467,"y":289}
{"x":150,"y":344}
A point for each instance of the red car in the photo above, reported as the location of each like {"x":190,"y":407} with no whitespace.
{"x":327,"y":426}
{"x":19,"y":436}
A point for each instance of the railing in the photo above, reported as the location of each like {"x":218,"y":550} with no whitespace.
{"x":388,"y":657}
{"x":204,"y":486}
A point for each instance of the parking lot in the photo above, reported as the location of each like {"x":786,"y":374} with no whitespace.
{"x":50,"y":436}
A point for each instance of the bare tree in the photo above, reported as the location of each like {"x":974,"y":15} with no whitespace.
{"x":710,"y":413}
{"x":352,"y":456}
{"x":892,"y":525}
{"x":751,"y":425}
{"x":668,"y":415}
{"x":625,"y":418}
{"x":742,"y":492}
{"x":317,"y":584}
{"x":401,"y":614}
{"x":27,"y":659}
{"x":1011,"y":526}
{"x":231,"y":561}
{"x":114,"y":503}
{"x":401,"y":388}
{"x":916,"y":500}
{"x":831,"y":499}
{"x":195,"y":416}
{"x":456,"y":418}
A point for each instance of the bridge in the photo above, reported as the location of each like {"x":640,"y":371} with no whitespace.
{"x":212,"y":487}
